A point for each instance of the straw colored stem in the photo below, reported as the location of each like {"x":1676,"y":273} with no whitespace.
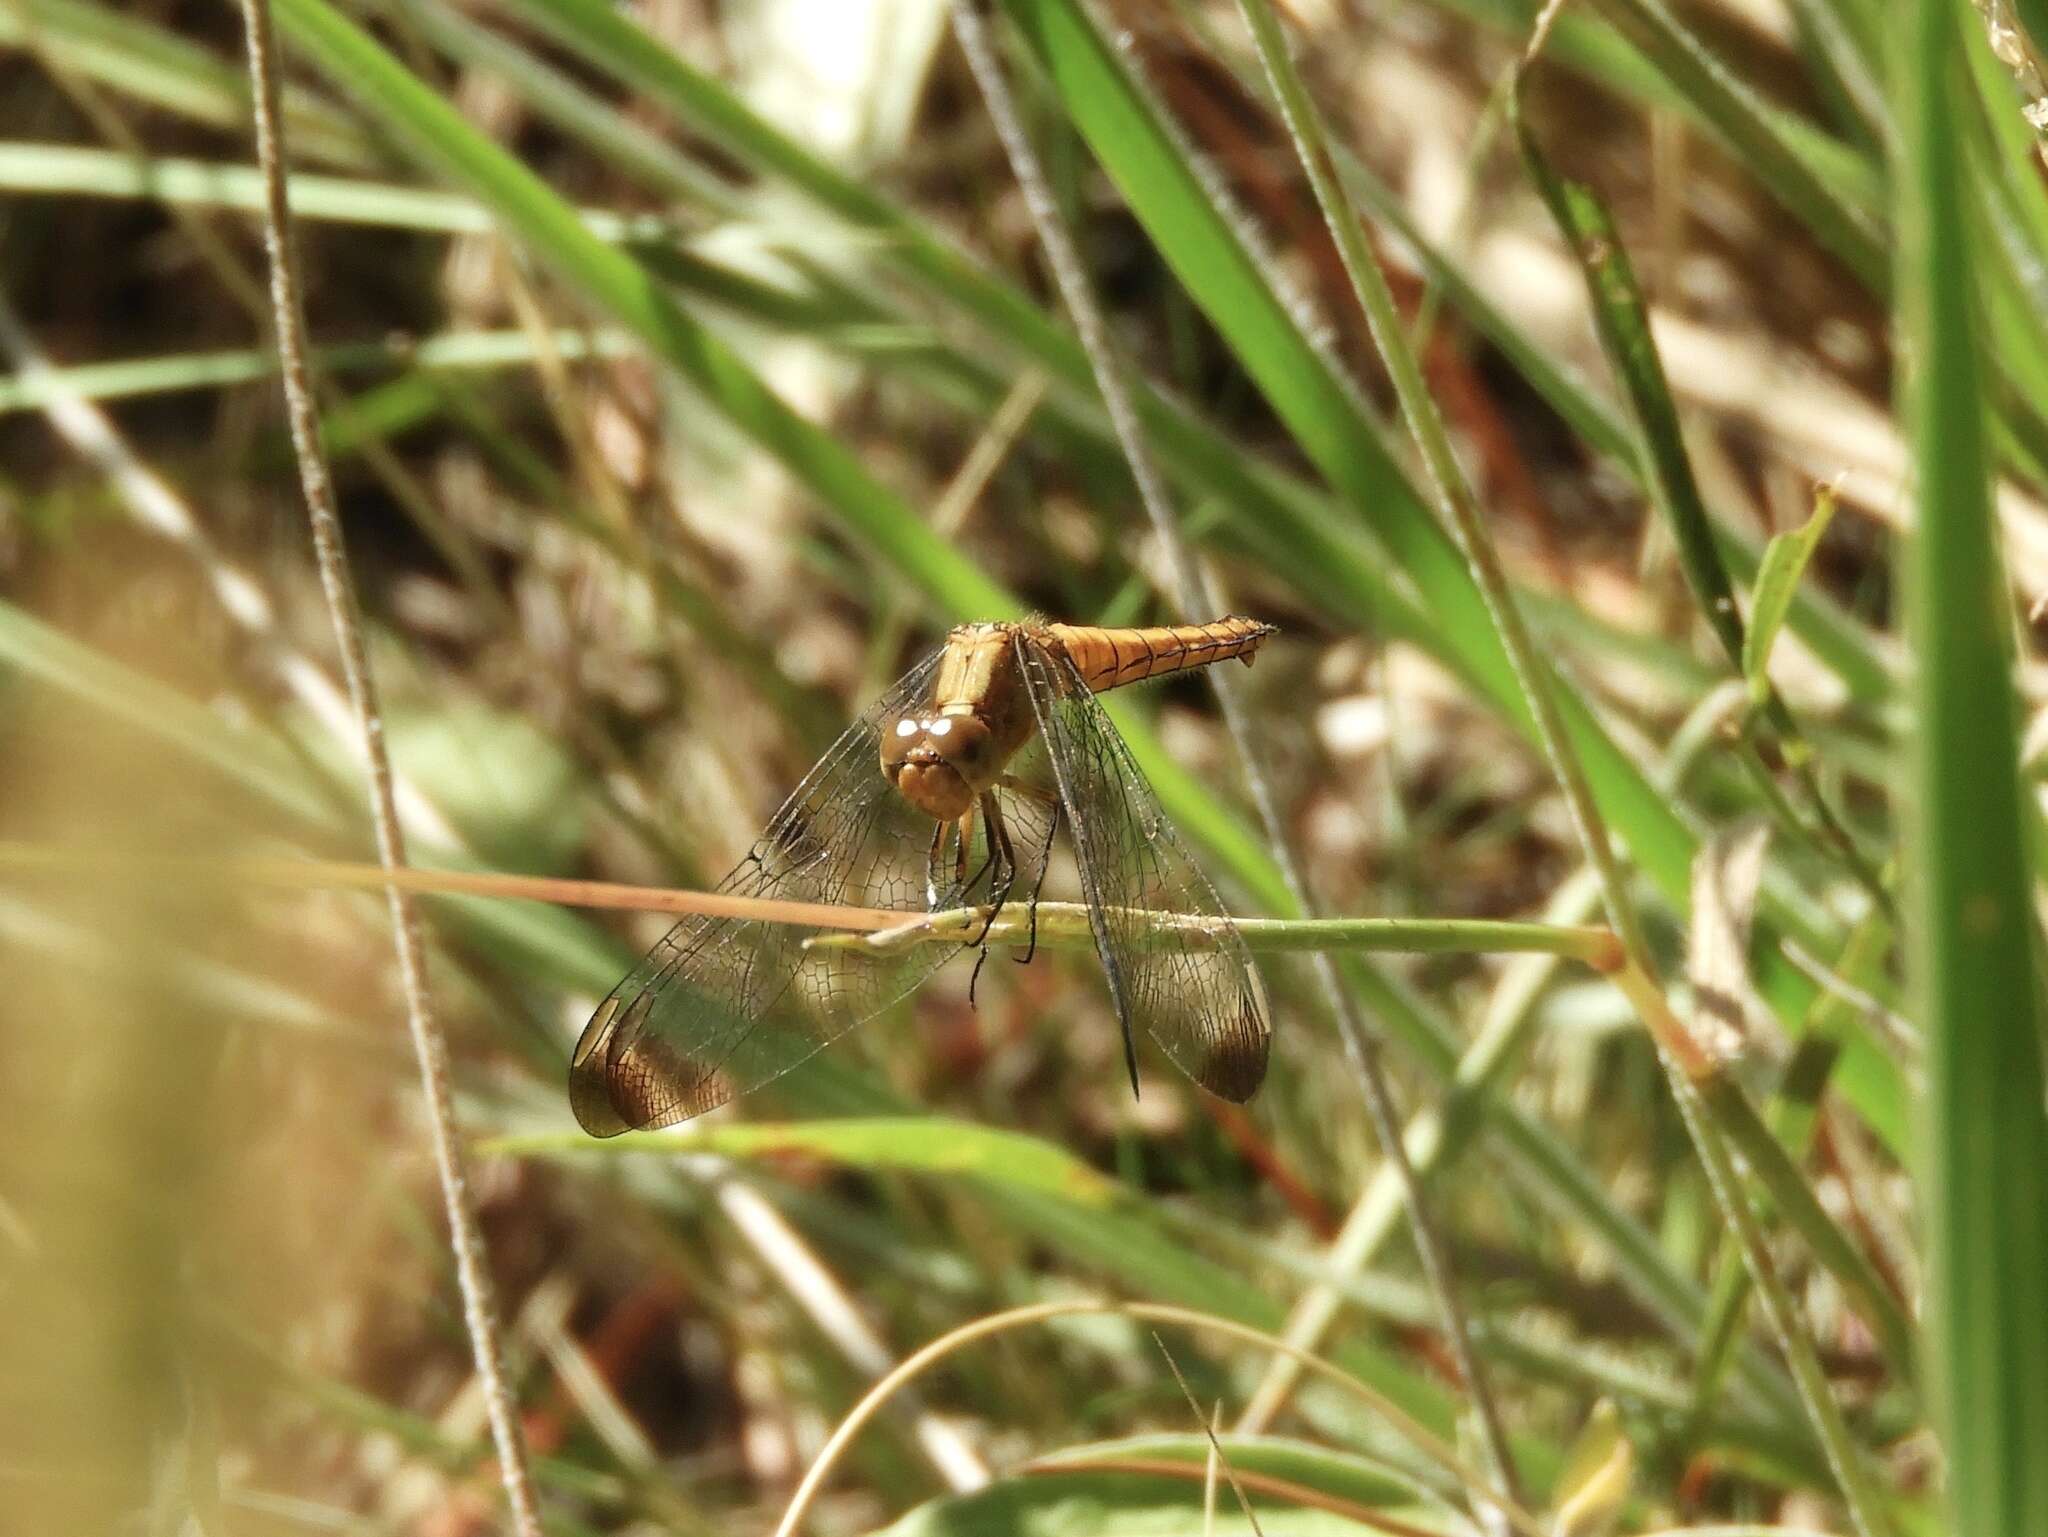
{"x":472,"y":1274}
{"x":970,"y":22}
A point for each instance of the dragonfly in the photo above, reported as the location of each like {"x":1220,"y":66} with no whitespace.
{"x":946,"y":794}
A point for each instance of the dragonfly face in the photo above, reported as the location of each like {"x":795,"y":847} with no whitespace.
{"x":941,"y":764}
{"x":945,"y":756}
{"x":723,"y":1005}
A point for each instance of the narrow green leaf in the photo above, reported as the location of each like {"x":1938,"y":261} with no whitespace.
{"x":1622,"y":319}
{"x":1974,"y":938}
{"x":116,"y":47}
{"x":617,"y":284}
{"x":1153,"y":1486}
{"x":1837,"y":200}
{"x":130,"y":377}
{"x":83,"y":170}
{"x":1777,"y":579}
{"x":1596,"y":1475}
{"x":1797,"y":1204}
{"x":920,"y":1144}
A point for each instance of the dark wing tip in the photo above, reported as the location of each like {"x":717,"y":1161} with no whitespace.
{"x":1234,"y":1059}
{"x":625,"y":1078}
{"x":590,"y":1094}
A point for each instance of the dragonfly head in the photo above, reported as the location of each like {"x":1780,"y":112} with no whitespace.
{"x":940,"y":764}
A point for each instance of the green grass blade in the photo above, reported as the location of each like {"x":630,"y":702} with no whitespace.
{"x":1171,"y":199}
{"x":1777,"y":579}
{"x":1621,"y":317}
{"x":616,"y":137}
{"x":1654,"y":70}
{"x":1800,"y":1208}
{"x":113,"y":47}
{"x":132,"y":377}
{"x":1836,"y":199}
{"x":79,"y":170}
{"x":919,"y":1144}
{"x":616,"y":284}
{"x":1984,"y":1203}
{"x":1157,"y":1483}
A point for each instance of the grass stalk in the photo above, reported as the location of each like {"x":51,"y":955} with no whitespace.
{"x":1686,"y":1064}
{"x":1059,"y":925}
{"x":1697,"y":1083}
{"x":1974,"y":939}
{"x":1622,"y":320}
{"x":971,"y":21}
{"x":288,"y":302}
{"x":1451,"y":494}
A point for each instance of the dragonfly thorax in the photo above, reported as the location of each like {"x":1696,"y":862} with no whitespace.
{"x":942,"y":763}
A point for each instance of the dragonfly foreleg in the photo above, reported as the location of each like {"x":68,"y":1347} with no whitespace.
{"x":1052,"y":826}
{"x":1002,"y":854}
{"x":1051,"y":802}
{"x":967,"y":881}
{"x":932,"y":858}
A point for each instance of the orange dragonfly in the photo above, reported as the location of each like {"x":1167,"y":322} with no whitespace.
{"x":983,"y":750}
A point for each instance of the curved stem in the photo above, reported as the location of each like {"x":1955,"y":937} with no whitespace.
{"x":914,"y":1365}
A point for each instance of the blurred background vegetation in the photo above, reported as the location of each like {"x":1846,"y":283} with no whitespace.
{"x":687,"y":369}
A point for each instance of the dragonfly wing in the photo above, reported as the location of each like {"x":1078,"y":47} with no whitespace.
{"x":722,"y":1005}
{"x":1196,"y":993}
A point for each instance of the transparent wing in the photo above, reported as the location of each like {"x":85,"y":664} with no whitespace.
{"x":1196,"y":994}
{"x":723,"y":1005}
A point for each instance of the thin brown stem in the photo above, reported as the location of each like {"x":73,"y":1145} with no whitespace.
{"x":881,"y":929}
{"x":287,"y":300}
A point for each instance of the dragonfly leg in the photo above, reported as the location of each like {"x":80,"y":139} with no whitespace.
{"x":1052,"y":826}
{"x":1051,"y":802}
{"x":932,"y":858}
{"x":1003,"y":854}
{"x":966,"y":837}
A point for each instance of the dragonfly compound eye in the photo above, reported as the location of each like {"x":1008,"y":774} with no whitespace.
{"x":933,"y":762}
{"x":963,"y":742}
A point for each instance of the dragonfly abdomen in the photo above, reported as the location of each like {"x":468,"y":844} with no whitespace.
{"x":1109,"y":658}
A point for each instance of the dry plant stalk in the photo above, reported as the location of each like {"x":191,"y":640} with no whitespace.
{"x":1192,"y":595}
{"x":287,"y":300}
